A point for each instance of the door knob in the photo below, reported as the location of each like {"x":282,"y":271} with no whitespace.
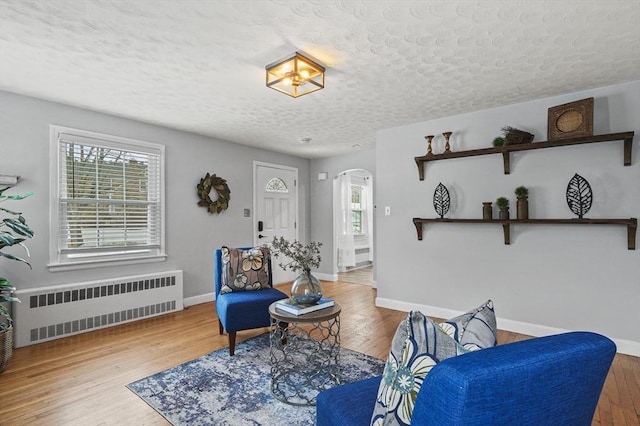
{"x":261,"y":236}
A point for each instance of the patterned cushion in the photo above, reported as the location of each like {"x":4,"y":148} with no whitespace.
{"x":475,"y":329}
{"x":418,"y":345}
{"x":244,"y":270}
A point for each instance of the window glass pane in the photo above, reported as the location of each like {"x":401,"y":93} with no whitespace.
{"x":356,"y":197}
{"x":276,"y":185}
{"x":356,"y":217}
{"x":110,"y":197}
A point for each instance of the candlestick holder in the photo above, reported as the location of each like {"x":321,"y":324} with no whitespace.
{"x":429,"y":139}
{"x":447,"y":147}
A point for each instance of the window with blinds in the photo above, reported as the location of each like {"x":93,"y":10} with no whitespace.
{"x":109,"y":198}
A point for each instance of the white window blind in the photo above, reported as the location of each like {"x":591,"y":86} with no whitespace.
{"x":109,"y":197}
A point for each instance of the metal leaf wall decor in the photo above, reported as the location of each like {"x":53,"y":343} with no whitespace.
{"x":441,"y":200}
{"x":579,"y":195}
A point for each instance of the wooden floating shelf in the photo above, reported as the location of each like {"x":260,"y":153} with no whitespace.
{"x":627,"y":137}
{"x":631,"y":224}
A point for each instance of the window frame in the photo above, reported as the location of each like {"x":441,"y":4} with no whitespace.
{"x":60,"y":262}
{"x":276,"y":190}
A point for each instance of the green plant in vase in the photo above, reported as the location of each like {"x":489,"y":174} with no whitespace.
{"x":522,"y":204}
{"x":13,"y":232}
{"x":522,"y":192}
{"x":503,"y":206}
{"x":300,"y":258}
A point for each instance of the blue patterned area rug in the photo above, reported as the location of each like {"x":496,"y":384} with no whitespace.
{"x":217,"y":389}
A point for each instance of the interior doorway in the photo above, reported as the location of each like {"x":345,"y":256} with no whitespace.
{"x":353,"y":226}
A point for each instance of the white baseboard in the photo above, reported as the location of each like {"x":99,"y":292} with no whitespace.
{"x":326,"y":277}
{"x":627,"y":347}
{"x":196,"y":300}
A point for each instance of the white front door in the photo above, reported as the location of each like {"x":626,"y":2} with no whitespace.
{"x":276,"y":205}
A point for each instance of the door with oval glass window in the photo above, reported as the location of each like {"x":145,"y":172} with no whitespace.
{"x":276,"y":206}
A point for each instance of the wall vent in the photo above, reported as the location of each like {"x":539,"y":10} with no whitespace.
{"x":48,"y":313}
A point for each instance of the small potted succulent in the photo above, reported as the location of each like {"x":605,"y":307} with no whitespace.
{"x":522,"y":204}
{"x":13,"y":231}
{"x":503,"y":206}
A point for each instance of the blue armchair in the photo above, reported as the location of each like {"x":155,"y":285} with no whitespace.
{"x":242,"y":310}
{"x":553,"y":380}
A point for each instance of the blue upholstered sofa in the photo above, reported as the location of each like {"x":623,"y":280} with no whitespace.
{"x":553,"y":380}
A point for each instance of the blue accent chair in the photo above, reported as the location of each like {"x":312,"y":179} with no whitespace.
{"x":554,"y":380}
{"x":242,"y":310}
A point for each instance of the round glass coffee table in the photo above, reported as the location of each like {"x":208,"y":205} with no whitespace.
{"x":305,"y":354}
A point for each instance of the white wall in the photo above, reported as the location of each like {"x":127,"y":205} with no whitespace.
{"x":551,"y":278}
{"x":192,"y":233}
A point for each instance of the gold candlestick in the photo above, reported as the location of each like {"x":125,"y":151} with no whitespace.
{"x":429,"y":139}
{"x":447,"y":135}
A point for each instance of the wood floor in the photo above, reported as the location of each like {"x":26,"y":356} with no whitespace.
{"x":80,"y":380}
{"x":358,"y":276}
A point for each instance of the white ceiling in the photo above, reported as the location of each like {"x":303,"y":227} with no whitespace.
{"x":198,"y":65}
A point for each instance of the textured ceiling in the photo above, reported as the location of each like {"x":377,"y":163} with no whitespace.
{"x":198,"y":65}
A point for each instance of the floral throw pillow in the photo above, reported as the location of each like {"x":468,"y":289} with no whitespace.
{"x":418,"y":345}
{"x":475,"y":329}
{"x":244,"y":269}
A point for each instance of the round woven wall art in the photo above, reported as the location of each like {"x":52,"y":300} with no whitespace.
{"x":219,"y":185}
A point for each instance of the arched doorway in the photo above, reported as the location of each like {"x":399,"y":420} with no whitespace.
{"x":353,"y":226}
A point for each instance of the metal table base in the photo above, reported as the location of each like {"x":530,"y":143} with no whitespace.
{"x":305,"y":354}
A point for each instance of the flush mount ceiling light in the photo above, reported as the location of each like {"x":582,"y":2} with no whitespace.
{"x":295,"y":75}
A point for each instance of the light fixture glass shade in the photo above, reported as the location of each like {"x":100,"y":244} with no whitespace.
{"x":295,"y":75}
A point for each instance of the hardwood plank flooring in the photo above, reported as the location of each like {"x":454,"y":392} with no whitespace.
{"x":80,"y":380}
{"x":358,"y":276}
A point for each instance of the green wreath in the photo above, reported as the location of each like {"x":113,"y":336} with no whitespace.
{"x":222,"y":189}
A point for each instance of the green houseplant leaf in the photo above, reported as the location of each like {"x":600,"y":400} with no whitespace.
{"x":14,"y":230}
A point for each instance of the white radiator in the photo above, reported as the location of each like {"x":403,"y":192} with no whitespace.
{"x":48,"y":313}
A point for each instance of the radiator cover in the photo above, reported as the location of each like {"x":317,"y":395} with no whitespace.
{"x":48,"y":313}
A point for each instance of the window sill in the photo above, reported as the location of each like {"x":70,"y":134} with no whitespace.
{"x":89,"y":264}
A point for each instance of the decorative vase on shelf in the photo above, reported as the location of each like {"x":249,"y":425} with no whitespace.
{"x":522,"y":208}
{"x":503,"y":214}
{"x":306,"y":289}
{"x":487,"y":210}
